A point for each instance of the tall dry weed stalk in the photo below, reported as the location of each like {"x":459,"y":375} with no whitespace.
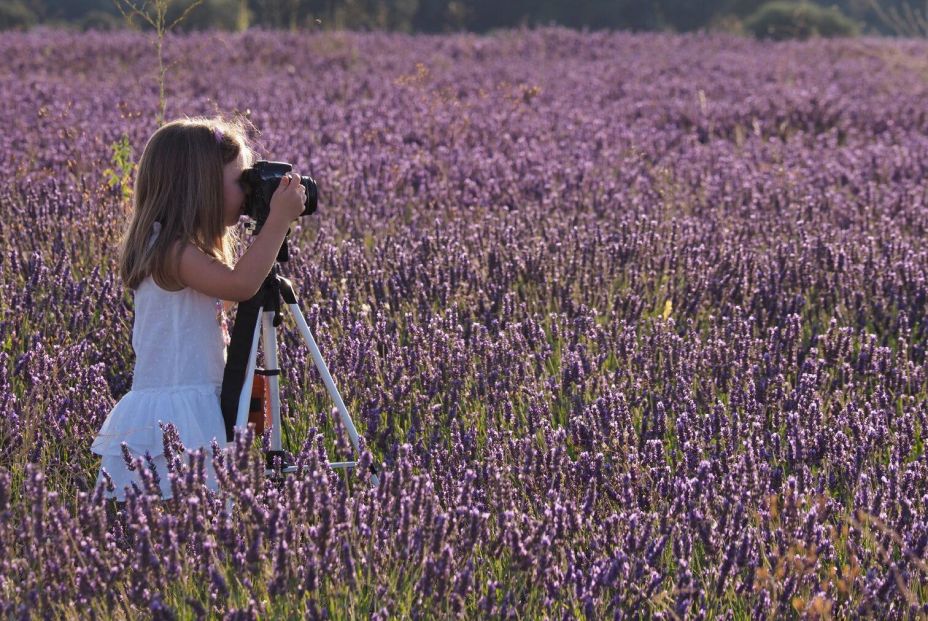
{"x":155,"y":13}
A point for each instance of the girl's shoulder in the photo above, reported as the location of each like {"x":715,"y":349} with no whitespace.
{"x":169,"y":277}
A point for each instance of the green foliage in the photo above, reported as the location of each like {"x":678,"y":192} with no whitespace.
{"x":210,"y":14}
{"x":14,"y":15}
{"x":123,"y":166}
{"x":68,"y":10}
{"x":99,"y":20}
{"x":878,"y":16}
{"x":784,"y":19}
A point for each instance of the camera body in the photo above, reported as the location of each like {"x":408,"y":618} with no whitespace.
{"x":259,"y":183}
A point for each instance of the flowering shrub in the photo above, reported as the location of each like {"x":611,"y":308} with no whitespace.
{"x":634,"y":323}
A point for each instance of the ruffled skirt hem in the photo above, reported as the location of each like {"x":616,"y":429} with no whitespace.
{"x":194,"y":410}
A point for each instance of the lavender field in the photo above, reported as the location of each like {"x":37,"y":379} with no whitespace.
{"x":634,"y":324}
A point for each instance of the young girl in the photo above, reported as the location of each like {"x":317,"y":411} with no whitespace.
{"x":176,"y":255}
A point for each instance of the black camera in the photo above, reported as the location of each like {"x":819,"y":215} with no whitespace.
{"x":259,"y":183}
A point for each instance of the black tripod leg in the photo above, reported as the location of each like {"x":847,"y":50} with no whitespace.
{"x":243,"y":342}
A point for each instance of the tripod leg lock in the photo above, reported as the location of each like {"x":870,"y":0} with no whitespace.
{"x":267,"y":372}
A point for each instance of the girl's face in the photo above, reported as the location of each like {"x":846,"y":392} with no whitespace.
{"x":233,"y":195}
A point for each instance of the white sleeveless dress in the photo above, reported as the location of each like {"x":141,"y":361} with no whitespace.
{"x":180,"y":340}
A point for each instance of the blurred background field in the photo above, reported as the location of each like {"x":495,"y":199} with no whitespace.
{"x":776,"y":18}
{"x":634,"y":322}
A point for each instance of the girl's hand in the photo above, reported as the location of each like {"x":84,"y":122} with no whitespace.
{"x":288,"y":200}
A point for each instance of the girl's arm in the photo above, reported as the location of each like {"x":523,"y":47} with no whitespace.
{"x":208,"y":275}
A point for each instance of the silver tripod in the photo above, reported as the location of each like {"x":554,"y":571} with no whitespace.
{"x":268,"y":307}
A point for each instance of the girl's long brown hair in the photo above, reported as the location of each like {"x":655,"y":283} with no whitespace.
{"x":179,"y":184}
